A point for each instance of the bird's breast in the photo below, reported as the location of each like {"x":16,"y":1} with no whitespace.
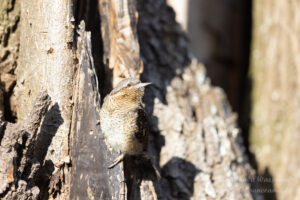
{"x":119,"y":128}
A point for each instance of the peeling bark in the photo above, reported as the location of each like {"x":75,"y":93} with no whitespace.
{"x":119,"y":35}
{"x":18,"y":165}
{"x":90,"y":175}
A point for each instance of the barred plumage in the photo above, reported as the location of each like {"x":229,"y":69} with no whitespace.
{"x":123,"y":119}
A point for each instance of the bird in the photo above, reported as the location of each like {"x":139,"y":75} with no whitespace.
{"x":124,"y":122}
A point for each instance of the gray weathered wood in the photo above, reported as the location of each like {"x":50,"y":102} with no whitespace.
{"x":90,"y":176}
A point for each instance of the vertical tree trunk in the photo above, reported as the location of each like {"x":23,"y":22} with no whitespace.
{"x":275,"y":68}
{"x":46,"y":62}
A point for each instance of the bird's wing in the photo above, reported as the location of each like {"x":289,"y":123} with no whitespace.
{"x":143,"y":128}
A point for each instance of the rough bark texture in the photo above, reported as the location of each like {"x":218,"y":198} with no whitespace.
{"x":119,"y":35}
{"x":19,"y":167}
{"x":275,"y":72}
{"x":46,"y":60}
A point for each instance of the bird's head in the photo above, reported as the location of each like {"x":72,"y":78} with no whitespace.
{"x":130,"y":90}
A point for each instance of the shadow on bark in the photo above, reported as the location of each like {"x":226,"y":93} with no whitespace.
{"x":9,"y":113}
{"x":180,"y":172}
{"x":2,"y":129}
{"x":50,"y":125}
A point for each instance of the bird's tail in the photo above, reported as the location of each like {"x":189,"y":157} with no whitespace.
{"x":147,"y":166}
{"x":142,"y":167}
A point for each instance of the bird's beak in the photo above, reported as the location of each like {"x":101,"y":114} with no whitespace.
{"x":141,"y":85}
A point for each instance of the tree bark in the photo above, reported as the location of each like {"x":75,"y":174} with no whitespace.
{"x":90,"y":177}
{"x":194,"y":138}
{"x":275,"y":67}
{"x":46,"y":61}
{"x":19,"y":166}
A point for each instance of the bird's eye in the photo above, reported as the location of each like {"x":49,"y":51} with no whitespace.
{"x":129,"y":84}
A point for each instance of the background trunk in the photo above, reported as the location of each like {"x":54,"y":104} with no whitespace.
{"x":275,"y":72}
{"x":219,"y":36}
{"x":194,"y":138}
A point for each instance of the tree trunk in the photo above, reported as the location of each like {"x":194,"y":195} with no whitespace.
{"x":46,"y":62}
{"x":275,"y":67}
{"x":61,"y":153}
